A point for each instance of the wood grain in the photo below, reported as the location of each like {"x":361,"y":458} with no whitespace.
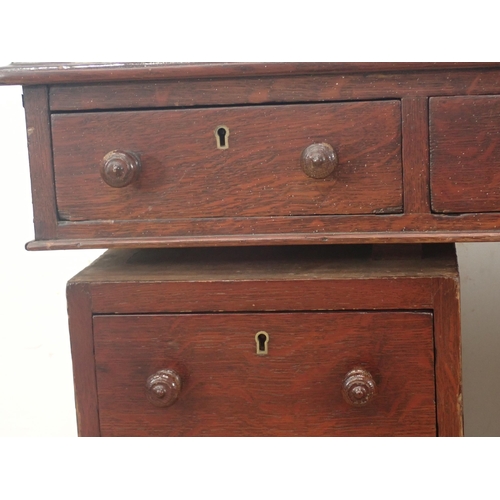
{"x":250,"y":204}
{"x":406,"y":228}
{"x":184,"y":174}
{"x":251,"y":89}
{"x":465,"y":154}
{"x":278,"y":239}
{"x":258,"y":296}
{"x":263,"y":279}
{"x":296,"y":390}
{"x":42,"y":73}
{"x":40,"y":156}
{"x":82,"y":353}
{"x":448,"y":357}
{"x":415,"y":116}
{"x":268,"y":282}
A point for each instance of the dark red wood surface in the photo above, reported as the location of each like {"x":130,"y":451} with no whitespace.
{"x":228,"y":390}
{"x":184,"y":174}
{"x":54,"y":72}
{"x":260,"y":283}
{"x":82,"y":352}
{"x":415,"y":116}
{"x":465,"y":154}
{"x":257,"y":211}
{"x":262,"y":279}
{"x":447,"y":341}
{"x":268,"y":296}
{"x":36,"y":104}
{"x":405,"y":228}
{"x":375,"y":84}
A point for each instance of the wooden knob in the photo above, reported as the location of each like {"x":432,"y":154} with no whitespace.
{"x":163,"y":388}
{"x":358,"y":387}
{"x":120,"y":168}
{"x":318,"y":160}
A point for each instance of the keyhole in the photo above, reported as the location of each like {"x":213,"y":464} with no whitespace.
{"x":222,"y":136}
{"x":262,"y":339}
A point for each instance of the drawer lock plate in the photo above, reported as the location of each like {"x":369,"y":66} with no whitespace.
{"x":262,"y":341}
{"x":222,"y":137}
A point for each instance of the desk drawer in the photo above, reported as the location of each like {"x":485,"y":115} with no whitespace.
{"x":226,"y":389}
{"x":187,"y":172}
{"x":465,"y":154}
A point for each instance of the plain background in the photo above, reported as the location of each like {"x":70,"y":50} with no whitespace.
{"x":36,"y":393}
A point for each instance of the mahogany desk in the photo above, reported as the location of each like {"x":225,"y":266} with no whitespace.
{"x":157,"y":155}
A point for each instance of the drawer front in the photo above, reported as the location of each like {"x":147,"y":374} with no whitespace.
{"x":298,"y":388}
{"x":465,"y":154}
{"x":184,"y":173}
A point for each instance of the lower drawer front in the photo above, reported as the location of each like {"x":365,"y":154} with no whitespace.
{"x":225,"y":388}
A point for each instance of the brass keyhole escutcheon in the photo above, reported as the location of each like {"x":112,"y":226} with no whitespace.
{"x":222,"y":137}
{"x":262,"y":341}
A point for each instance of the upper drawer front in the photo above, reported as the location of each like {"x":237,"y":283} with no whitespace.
{"x":465,"y":154}
{"x":184,"y":174}
{"x":227,"y":389}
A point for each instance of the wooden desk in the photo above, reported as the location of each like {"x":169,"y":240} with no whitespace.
{"x":158,"y":155}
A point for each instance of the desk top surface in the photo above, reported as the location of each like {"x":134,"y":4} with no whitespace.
{"x":41,"y":73}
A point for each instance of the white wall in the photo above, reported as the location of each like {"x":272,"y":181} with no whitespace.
{"x":36,"y":387}
{"x":479,"y":265}
{"x":36,"y":391}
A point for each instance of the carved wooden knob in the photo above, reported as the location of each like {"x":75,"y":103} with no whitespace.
{"x":358,"y":387}
{"x":318,"y":160}
{"x":120,"y":168}
{"x":163,"y":388}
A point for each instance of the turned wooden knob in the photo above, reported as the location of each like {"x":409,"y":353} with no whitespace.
{"x":163,"y":388}
{"x":318,"y":160}
{"x":120,"y":168}
{"x":358,"y":387}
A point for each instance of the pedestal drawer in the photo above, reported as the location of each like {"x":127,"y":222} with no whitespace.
{"x":309,"y":374}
